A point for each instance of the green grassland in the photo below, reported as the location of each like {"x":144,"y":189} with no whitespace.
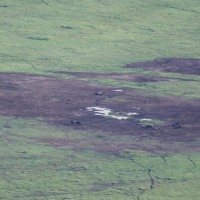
{"x":31,"y":169}
{"x":177,"y":88}
{"x":41,"y":37}
{"x":94,"y":35}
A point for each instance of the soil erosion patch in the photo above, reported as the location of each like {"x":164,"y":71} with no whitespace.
{"x":66,"y":102}
{"x":173,"y":65}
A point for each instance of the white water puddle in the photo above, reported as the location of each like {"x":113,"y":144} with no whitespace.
{"x":136,"y":108}
{"x":134,"y":113}
{"x":118,"y":90}
{"x":105,"y":112}
{"x":118,"y":117}
{"x":142,"y":120}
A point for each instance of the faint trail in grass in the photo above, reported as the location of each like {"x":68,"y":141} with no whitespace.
{"x":151,"y":179}
{"x":163,"y":157}
{"x":137,"y":163}
{"x":14,"y":58}
{"x":181,"y":9}
{"x":63,"y":63}
{"x":44,"y":2}
{"x":142,"y":191}
{"x":23,"y":47}
{"x":33,"y":66}
{"x":191,"y":161}
{"x":168,"y":180}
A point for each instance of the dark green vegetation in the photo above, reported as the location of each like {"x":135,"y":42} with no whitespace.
{"x":42,"y":161}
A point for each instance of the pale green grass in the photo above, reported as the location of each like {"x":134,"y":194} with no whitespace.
{"x":34,"y":170}
{"x":152,"y":122}
{"x":178,"y":88}
{"x":99,"y":35}
{"x":184,"y":77}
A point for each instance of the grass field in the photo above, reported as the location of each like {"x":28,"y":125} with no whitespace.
{"x":186,"y":89}
{"x":41,"y":159}
{"x":93,"y":35}
{"x":32,"y":170}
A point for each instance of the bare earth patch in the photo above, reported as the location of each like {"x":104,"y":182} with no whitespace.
{"x":172,"y":65}
{"x":65,"y":102}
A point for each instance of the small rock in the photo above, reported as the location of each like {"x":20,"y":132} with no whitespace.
{"x":74,"y":122}
{"x":67,"y":27}
{"x":99,"y":93}
{"x":176,"y":125}
{"x":78,"y":123}
{"x":149,"y":127}
{"x":155,"y":128}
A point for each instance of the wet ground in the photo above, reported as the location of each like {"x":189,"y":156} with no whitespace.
{"x":71,"y":103}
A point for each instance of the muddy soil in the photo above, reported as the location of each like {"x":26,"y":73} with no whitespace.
{"x":173,"y":65}
{"x":64,"y":103}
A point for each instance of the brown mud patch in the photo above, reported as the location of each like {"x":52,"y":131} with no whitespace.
{"x":172,"y":65}
{"x":62,"y":102}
